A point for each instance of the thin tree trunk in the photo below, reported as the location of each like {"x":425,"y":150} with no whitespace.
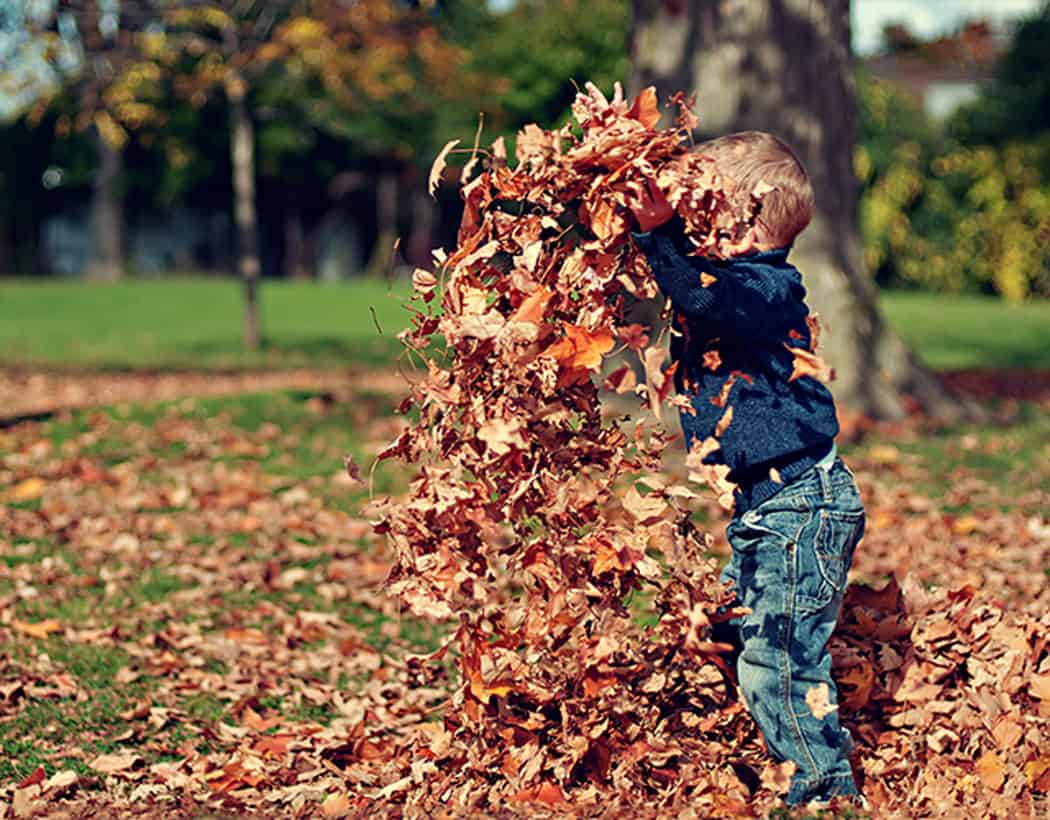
{"x":785,"y":66}
{"x":386,"y":223}
{"x":421,"y":241}
{"x":107,"y":213}
{"x":242,"y":155}
{"x":295,"y":250}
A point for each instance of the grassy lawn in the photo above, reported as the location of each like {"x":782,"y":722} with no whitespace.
{"x":232,"y":521}
{"x":195,"y":323}
{"x":952,"y":332}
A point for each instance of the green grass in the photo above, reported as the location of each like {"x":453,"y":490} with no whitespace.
{"x":29,"y":736}
{"x":1010,"y":458}
{"x":953,"y":332}
{"x":196,"y":323}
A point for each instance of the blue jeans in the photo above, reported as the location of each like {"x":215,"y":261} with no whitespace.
{"x":790,"y":558}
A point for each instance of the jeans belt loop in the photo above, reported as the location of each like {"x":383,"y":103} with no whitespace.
{"x":825,"y":484}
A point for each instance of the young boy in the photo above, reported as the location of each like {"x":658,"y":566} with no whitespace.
{"x":798,"y":515}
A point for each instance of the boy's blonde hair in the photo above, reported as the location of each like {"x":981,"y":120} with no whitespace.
{"x":748,"y":158}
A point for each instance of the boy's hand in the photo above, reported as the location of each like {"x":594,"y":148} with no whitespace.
{"x":650,"y":206}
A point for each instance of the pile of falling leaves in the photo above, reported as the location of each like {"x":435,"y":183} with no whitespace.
{"x":545,"y":531}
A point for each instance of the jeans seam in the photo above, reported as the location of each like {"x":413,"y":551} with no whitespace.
{"x":785,"y":657}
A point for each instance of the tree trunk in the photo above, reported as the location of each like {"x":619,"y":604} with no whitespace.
{"x":242,"y":155}
{"x":296,"y":252}
{"x":421,"y":241}
{"x":785,"y":66}
{"x":386,"y":224}
{"x":107,"y":213}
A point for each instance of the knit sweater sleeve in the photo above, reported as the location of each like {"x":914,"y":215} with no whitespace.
{"x":679,"y":276}
{"x":755,"y":305}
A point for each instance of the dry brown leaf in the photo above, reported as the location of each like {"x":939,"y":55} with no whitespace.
{"x":115,"y":763}
{"x":438,"y":168}
{"x":808,"y":363}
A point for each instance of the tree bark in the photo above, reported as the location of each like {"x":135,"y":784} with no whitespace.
{"x":386,"y":224}
{"x":297,"y":263}
{"x":242,"y":156}
{"x":785,"y":66}
{"x":107,"y":213}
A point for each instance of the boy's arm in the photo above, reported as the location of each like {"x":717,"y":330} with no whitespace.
{"x":682,"y":278}
{"x":678,"y":274}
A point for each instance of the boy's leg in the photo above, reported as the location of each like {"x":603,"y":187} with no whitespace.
{"x":792,"y":555}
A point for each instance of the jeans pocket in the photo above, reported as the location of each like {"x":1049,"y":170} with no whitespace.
{"x":837,"y":534}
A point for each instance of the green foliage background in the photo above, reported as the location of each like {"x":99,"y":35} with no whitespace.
{"x":964,"y":205}
{"x":959,"y":206}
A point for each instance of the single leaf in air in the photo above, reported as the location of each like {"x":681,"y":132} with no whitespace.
{"x":808,"y":363}
{"x":622,"y":380}
{"x":438,"y":168}
{"x":724,"y":422}
{"x":581,"y":349}
{"x":353,"y":471}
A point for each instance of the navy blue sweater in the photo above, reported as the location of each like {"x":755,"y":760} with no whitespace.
{"x":753,"y":308}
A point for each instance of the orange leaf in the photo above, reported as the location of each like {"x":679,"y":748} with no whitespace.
{"x":1039,"y":686}
{"x":581,"y":349}
{"x":253,"y":636}
{"x":645,"y":108}
{"x":273,"y":745}
{"x":38,"y":630}
{"x":991,"y":771}
{"x":27,"y":490}
{"x":1038,"y":771}
{"x":253,"y":720}
{"x":337,"y":804}
{"x":533,"y":306}
{"x":549,"y":793}
{"x":809,"y":364}
{"x":855,"y":684}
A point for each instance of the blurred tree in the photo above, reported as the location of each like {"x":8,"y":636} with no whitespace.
{"x":536,"y":76}
{"x":786,"y":67}
{"x":1017,"y":102}
{"x":356,"y":70}
{"x":966,"y":207}
{"x":80,"y":49}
